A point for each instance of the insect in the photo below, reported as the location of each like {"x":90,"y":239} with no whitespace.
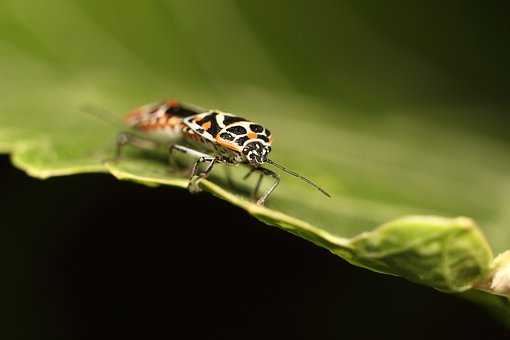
{"x":211,"y":137}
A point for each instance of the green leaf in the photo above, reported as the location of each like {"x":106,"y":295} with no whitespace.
{"x":448,"y":254}
{"x":378,"y":167}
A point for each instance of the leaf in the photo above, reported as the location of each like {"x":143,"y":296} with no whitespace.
{"x":378,"y":168}
{"x":448,"y":254}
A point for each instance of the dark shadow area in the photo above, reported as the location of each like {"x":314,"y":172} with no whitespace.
{"x":90,"y":257}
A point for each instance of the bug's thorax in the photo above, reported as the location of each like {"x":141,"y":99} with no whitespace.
{"x":230,"y":136}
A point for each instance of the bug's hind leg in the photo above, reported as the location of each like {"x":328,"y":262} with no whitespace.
{"x":265,"y":172}
{"x":127,"y":138}
{"x":174,"y":167}
{"x":196,"y":174}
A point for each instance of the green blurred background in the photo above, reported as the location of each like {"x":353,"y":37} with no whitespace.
{"x":412,"y":73}
{"x":370,"y":57}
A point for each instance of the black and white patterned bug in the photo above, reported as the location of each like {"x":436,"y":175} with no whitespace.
{"x":212,"y":137}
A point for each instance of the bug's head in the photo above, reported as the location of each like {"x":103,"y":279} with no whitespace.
{"x":256,"y":152}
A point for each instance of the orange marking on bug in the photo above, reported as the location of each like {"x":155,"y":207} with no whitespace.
{"x":206,"y":125}
{"x":192,"y":135}
{"x":132,"y":117}
{"x":147,"y":127}
{"x":252,"y":135}
{"x":228,"y":144}
{"x":174,"y":121}
{"x":172,"y":103}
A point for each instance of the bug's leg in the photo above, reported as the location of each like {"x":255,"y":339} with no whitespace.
{"x":122,"y":141}
{"x":202,"y":158}
{"x":257,"y":187}
{"x":252,"y":170}
{"x":188,"y":151}
{"x":185,"y":150}
{"x":267,"y":172}
{"x":173,"y":166}
{"x":228,"y":176}
{"x":206,"y":172}
{"x":196,"y":175}
{"x":127,"y":138}
{"x":255,"y":192}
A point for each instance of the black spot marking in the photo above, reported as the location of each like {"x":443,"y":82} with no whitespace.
{"x":256,"y":128}
{"x":200,"y":130}
{"x":263,"y":137}
{"x":215,"y":128}
{"x":180,"y":111}
{"x":238,"y":130}
{"x":268,"y":133}
{"x":242,"y":140}
{"x":227,"y":136}
{"x":232,"y":119}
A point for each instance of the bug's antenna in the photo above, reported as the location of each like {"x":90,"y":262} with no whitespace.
{"x":290,"y":172}
{"x":100,"y":113}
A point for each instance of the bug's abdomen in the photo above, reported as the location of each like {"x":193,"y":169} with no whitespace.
{"x":161,"y":121}
{"x":150,"y":113}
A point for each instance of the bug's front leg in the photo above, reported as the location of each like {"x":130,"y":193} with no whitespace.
{"x":265,"y":172}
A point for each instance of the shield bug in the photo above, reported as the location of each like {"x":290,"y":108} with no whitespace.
{"x":210,"y":136}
